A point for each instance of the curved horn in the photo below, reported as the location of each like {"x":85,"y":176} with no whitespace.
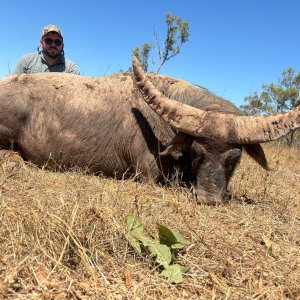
{"x":227,"y":127}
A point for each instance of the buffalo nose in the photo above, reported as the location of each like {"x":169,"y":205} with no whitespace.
{"x":203,"y":197}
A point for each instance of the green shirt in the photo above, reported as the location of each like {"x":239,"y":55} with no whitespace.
{"x":35,"y":63}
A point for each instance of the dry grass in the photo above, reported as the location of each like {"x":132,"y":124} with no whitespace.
{"x":63,"y":236}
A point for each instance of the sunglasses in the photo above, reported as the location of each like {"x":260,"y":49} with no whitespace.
{"x":49,"y":42}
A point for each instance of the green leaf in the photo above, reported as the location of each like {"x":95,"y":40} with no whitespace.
{"x":170,"y":238}
{"x":134,"y":224}
{"x":173,"y":273}
{"x":135,"y":244}
{"x":136,"y":229}
{"x":162,"y":253}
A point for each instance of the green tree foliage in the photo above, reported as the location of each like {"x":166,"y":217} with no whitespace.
{"x":143,"y":55}
{"x":276,"y":98}
{"x":177,"y":34}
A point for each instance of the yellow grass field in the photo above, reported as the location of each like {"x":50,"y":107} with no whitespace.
{"x":64,"y":235}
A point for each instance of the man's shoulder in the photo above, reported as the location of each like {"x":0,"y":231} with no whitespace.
{"x":29,"y":56}
{"x":71,"y":67}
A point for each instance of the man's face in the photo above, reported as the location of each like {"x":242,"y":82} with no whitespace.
{"x":52,"y":44}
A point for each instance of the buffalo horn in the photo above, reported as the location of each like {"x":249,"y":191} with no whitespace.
{"x":215,"y":125}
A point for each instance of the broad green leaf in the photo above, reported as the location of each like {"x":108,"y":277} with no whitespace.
{"x":134,"y":224}
{"x":135,"y":244}
{"x":170,"y":238}
{"x":162,"y":253}
{"x":173,"y":273}
{"x":136,"y":229}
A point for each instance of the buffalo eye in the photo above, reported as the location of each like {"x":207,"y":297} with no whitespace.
{"x":233,"y":155}
{"x":231,"y":158}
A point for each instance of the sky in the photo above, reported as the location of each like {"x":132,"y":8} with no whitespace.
{"x":234,"y":45}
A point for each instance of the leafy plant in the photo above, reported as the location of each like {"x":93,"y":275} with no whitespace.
{"x":162,"y":250}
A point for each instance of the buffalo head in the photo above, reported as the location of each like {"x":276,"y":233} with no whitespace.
{"x":214,"y":140}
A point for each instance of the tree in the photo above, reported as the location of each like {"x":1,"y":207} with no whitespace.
{"x":177,"y":35}
{"x":276,"y":98}
{"x":143,"y":55}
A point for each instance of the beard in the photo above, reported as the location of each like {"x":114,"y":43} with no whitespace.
{"x":52,"y":53}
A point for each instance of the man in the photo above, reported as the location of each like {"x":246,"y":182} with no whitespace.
{"x":51,"y":58}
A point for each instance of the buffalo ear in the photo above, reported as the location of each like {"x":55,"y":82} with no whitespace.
{"x":257,"y":153}
{"x":181,"y":142}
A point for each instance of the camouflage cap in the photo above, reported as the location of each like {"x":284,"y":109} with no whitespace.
{"x":51,"y":28}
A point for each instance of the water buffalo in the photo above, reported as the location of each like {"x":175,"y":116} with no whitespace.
{"x":104,"y":124}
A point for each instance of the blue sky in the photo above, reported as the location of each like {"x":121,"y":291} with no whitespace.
{"x":234,"y":46}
